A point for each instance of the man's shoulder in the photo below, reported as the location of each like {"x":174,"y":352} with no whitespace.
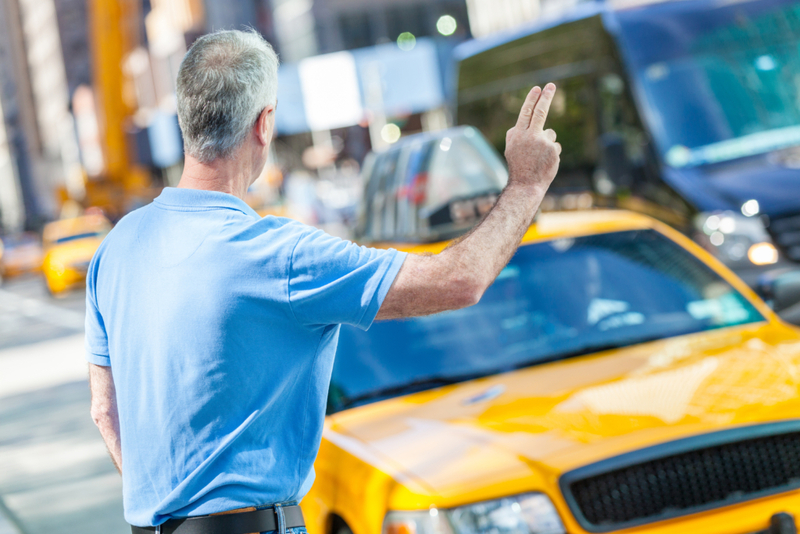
{"x":127,"y":225}
{"x":291,"y":228}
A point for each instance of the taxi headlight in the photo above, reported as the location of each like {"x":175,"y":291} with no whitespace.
{"x":731,"y":237}
{"x":532,"y":513}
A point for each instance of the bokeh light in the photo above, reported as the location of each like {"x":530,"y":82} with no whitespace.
{"x":390,"y":133}
{"x":446,"y":25}
{"x":406,"y":41}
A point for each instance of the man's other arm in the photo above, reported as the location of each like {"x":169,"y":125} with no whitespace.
{"x":458,"y":276}
{"x":104,"y":410}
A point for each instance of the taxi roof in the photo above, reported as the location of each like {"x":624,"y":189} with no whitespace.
{"x":76,"y":225}
{"x":560,"y":224}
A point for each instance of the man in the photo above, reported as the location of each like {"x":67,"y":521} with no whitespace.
{"x":211,"y":332}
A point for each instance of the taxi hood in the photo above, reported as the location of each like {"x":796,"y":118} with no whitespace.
{"x":529,"y":426}
{"x":78,"y":251}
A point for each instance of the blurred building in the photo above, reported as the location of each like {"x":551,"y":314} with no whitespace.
{"x":358,"y":67}
{"x":39,"y":130}
{"x":305,"y":28}
{"x":226,"y":15}
{"x":72,"y":18}
{"x":491,"y":16}
{"x":349,"y":24}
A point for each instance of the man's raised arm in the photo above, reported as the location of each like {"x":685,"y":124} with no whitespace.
{"x":459,"y":275}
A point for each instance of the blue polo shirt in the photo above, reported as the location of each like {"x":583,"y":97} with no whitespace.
{"x":220,"y":328}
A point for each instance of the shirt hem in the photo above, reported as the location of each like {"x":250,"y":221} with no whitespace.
{"x":98,"y":359}
{"x":387,"y":279}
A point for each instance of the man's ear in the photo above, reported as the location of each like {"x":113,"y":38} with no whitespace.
{"x":264,"y":125}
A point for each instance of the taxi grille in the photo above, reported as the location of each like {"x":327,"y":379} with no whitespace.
{"x":786,"y":234}
{"x":683,"y":483}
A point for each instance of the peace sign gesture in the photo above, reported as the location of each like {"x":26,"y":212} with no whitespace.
{"x":532,"y":152}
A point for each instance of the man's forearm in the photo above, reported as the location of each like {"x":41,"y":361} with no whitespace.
{"x":458,"y":276}
{"x":533,"y":157}
{"x":109,"y":430}
{"x":486,"y":250}
{"x":104,"y":410}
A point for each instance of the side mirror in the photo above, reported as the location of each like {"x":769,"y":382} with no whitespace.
{"x":781,"y":291}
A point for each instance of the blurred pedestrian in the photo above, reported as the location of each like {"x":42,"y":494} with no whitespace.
{"x":211,"y":332}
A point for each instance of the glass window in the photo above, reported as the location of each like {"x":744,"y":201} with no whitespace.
{"x":461,"y":167}
{"x":356,"y":30}
{"x":493,"y":85}
{"x":718,"y":82}
{"x":555,"y":300}
{"x":377,"y":198}
{"x":573,"y":116}
{"x":84,"y":235}
{"x":407,"y":18}
{"x":430,"y":186}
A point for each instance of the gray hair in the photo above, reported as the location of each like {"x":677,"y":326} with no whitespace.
{"x":224,"y":83}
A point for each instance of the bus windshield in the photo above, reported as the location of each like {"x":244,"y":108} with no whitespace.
{"x":555,"y":300}
{"x":718,"y":80}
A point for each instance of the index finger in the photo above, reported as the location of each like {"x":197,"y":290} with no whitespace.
{"x":525,"y":114}
{"x":543,"y":107}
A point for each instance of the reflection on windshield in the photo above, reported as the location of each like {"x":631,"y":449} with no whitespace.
{"x":720,"y":82}
{"x":554,"y":300}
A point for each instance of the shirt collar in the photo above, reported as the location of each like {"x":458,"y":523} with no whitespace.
{"x":181,"y":198}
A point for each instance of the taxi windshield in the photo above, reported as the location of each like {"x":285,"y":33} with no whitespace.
{"x":554,"y":300}
{"x":719,"y":80}
{"x":76,"y":237}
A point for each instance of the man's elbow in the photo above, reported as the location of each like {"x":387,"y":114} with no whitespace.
{"x":467,"y":291}
{"x":101,"y":415}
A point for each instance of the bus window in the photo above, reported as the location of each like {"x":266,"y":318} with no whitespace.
{"x":573,"y":116}
{"x":493,"y":85}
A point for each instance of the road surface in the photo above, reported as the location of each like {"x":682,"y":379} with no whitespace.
{"x":55,"y":474}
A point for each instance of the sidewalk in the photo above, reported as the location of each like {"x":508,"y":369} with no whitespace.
{"x":6,"y":527}
{"x":55,"y":474}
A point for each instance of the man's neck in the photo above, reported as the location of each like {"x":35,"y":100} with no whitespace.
{"x":231,"y":175}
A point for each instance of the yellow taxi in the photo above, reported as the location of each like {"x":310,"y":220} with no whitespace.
{"x":69,"y":245}
{"x":615,"y":378}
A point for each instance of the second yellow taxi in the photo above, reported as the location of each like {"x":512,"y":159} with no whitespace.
{"x":69,"y":245}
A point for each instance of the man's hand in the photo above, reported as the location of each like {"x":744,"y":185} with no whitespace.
{"x":532,"y":153}
{"x":458,"y":276}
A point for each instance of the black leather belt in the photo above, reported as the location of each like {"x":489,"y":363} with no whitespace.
{"x":236,"y":523}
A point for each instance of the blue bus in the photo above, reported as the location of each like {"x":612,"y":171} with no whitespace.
{"x":688,"y":111}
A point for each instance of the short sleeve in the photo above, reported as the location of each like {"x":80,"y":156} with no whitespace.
{"x":333,"y":281}
{"x":96,"y":343}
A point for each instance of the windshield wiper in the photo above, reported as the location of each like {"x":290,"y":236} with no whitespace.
{"x":420,"y":384}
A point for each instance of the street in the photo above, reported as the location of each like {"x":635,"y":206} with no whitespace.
{"x":55,"y":474}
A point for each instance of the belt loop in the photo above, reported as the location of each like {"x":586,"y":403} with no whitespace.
{"x":281,"y":519}
{"x":158,"y":529}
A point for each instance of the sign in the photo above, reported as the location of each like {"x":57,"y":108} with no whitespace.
{"x":331,"y":94}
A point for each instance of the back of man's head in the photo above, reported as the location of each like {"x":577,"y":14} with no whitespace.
{"x":224,"y":83}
